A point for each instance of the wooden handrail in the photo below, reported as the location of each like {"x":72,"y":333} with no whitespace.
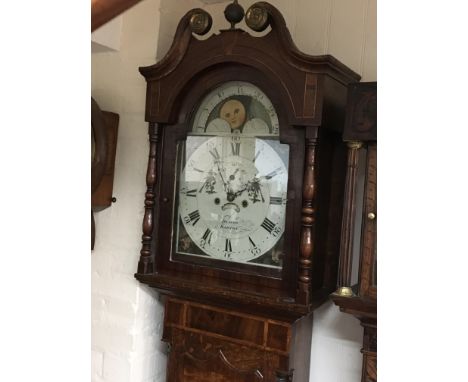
{"x":103,"y":11}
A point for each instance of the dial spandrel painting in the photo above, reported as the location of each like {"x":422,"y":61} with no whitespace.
{"x":231,"y":189}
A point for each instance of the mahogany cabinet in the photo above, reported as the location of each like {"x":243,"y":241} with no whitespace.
{"x":209,"y":343}
{"x":244,"y":201}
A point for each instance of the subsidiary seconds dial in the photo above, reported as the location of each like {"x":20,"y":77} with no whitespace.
{"x":232,"y":198}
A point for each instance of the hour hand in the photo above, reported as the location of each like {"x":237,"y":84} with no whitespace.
{"x":231,"y":177}
{"x":239,"y":192}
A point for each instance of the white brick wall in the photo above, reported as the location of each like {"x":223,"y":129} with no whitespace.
{"x":126,"y":316}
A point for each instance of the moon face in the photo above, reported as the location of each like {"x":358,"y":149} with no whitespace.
{"x":233,"y":112}
{"x":236,"y":107}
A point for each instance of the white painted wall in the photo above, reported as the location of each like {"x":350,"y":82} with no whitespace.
{"x":107,"y":37}
{"x":127,"y":317}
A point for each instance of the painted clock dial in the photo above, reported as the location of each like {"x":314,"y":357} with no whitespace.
{"x":233,"y":177}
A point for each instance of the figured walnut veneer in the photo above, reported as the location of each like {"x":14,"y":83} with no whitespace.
{"x":215,"y":344}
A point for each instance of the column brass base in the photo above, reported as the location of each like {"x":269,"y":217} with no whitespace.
{"x":344,"y":292}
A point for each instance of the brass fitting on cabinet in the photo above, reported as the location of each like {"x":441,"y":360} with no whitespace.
{"x":344,"y":292}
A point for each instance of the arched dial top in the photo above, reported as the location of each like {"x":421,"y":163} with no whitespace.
{"x":236,"y":107}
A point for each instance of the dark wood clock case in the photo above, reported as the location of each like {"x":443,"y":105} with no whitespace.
{"x":234,"y":318}
{"x":104,"y":129}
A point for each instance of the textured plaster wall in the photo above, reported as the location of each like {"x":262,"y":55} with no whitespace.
{"x":127,"y":317}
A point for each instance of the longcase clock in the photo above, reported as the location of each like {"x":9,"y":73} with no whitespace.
{"x":244,"y":198}
{"x":359,"y":297}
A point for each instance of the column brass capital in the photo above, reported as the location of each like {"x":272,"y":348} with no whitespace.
{"x":354,"y":144}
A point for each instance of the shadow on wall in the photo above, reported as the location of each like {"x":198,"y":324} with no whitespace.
{"x":328,"y":323}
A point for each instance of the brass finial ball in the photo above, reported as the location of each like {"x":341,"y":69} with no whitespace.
{"x":234,"y":13}
{"x":257,"y":18}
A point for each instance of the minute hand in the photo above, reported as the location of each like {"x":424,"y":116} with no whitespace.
{"x":239,"y":192}
{"x":253,"y":186}
{"x":222,"y":178}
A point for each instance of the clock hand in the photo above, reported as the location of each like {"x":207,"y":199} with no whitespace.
{"x":261,"y":194}
{"x":202,"y":187}
{"x":254,"y":188}
{"x":231,"y":194}
{"x":222,"y":178}
{"x":234,"y":174}
{"x":239,"y":192}
{"x":253,"y":185}
{"x":248,"y":185}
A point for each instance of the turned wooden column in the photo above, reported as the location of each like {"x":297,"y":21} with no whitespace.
{"x":347,"y":231}
{"x":308,"y":218}
{"x":145,"y":265}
